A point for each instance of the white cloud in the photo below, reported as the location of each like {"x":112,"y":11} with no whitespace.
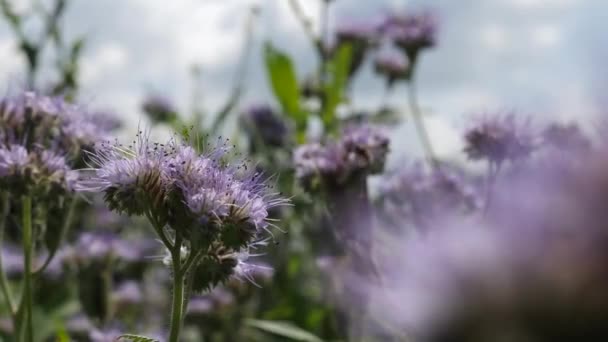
{"x":546,"y":35}
{"x":109,"y":58}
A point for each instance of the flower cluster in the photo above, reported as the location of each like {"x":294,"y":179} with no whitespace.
{"x":41,"y":140}
{"x":361,"y":149}
{"x":218,"y":208}
{"x":412,"y":32}
{"x":499,"y":138}
{"x":393,"y":67}
{"x":521,"y":273}
{"x":423,"y":196}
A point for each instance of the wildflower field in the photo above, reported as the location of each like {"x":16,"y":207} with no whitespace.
{"x":332,"y":170}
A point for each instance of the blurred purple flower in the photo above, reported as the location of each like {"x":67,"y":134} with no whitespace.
{"x":412,"y":32}
{"x":425,"y":196}
{"x":393,"y":67}
{"x":566,"y":137}
{"x":13,"y":160}
{"x":361,"y":149}
{"x":499,"y":138}
{"x":127,"y":293}
{"x":263,"y":124}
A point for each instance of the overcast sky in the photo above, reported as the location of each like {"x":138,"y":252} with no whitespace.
{"x":545,"y":58}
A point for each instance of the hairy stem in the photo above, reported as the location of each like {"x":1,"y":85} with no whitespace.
{"x":177,"y":304}
{"x":27,"y":265}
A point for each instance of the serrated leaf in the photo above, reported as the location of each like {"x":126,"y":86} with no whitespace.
{"x":135,"y":338}
{"x":284,"y":329}
{"x":284,"y":82}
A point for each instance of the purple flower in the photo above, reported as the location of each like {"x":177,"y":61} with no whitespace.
{"x":412,"y":32}
{"x":13,"y":160}
{"x":198,"y":195}
{"x":392,"y":66}
{"x":361,"y":149}
{"x":132,"y":177}
{"x":127,"y":293}
{"x":499,"y":138}
{"x":425,"y":196}
{"x":566,"y":137}
{"x":263,"y":124}
{"x":97,"y":246}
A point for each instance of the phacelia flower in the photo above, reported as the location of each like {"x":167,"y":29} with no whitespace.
{"x":42,"y":140}
{"x":264,"y":125}
{"x":13,"y":160}
{"x":422,"y":196}
{"x":566,"y":137}
{"x":412,"y":32}
{"x":361,"y":149}
{"x":499,"y":138}
{"x":392,"y":67}
{"x":361,"y":37}
{"x":200,"y":196}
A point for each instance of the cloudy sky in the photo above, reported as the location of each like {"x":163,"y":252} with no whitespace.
{"x":541,"y":57}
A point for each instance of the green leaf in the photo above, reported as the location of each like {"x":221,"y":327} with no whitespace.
{"x":284,"y":329}
{"x":338,"y":68}
{"x":136,"y":338}
{"x":284,"y":82}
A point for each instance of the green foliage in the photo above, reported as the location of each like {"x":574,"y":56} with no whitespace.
{"x":284,"y":82}
{"x":283,"y":329}
{"x":335,"y":87}
{"x":136,"y":338}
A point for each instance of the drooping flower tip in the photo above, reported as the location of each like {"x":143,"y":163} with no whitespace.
{"x":498,"y":138}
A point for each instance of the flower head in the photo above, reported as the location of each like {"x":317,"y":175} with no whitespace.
{"x":263,"y":124}
{"x":393,"y":67}
{"x":211,"y":203}
{"x":499,"y":138}
{"x":361,"y":149}
{"x":412,"y":32}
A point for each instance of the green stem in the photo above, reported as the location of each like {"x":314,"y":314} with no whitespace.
{"x":6,"y":291}
{"x":27,"y":262}
{"x":420,"y":127}
{"x":177,"y":305}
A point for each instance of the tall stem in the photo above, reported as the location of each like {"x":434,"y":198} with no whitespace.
{"x":419,"y":123}
{"x":177,"y":305}
{"x":27,"y":269}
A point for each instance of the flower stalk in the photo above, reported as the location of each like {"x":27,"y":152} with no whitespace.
{"x":27,"y":268}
